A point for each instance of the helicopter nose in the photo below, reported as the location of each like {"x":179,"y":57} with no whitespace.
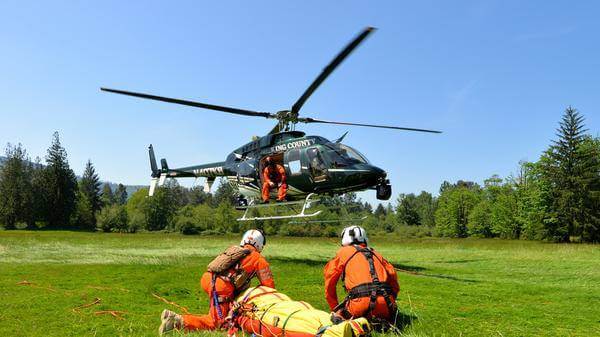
{"x":378,"y":174}
{"x":364,"y":174}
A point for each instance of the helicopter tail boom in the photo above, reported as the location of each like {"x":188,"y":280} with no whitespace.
{"x":160,"y":175}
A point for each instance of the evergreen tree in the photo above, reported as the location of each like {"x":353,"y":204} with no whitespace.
{"x":84,"y":215}
{"x":121,"y":195}
{"x":107,"y":196}
{"x":16,"y":194}
{"x":380,"y":211}
{"x":40,"y":199}
{"x":59,"y":186}
{"x":567,"y":166}
{"x":89,"y":185}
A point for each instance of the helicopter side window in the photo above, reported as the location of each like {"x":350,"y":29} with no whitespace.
{"x":353,"y":154}
{"x":317,"y":165}
{"x":293,"y":158}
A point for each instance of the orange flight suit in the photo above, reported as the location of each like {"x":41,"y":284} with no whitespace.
{"x":254,"y":264}
{"x":274,"y":174}
{"x":356,"y":270}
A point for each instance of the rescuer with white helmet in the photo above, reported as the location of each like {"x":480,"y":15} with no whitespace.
{"x":370,"y":280}
{"x":228,"y":275}
{"x":354,"y":235}
{"x":255,"y":238}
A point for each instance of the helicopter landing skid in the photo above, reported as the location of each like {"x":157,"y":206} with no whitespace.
{"x":306,"y":203}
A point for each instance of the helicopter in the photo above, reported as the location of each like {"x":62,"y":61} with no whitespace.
{"x":314,"y":165}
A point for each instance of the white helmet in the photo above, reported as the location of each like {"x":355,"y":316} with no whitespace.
{"x":255,"y":238}
{"x":354,"y":235}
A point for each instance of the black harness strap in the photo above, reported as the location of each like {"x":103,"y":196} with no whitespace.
{"x":373,"y":289}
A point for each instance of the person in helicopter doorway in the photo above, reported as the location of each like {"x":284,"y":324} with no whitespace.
{"x":371,"y":282}
{"x":227,"y":276}
{"x":273,"y":177}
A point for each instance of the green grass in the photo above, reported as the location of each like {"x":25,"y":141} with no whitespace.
{"x":467,"y":287}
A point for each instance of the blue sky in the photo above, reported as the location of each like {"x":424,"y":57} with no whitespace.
{"x":495,"y":76}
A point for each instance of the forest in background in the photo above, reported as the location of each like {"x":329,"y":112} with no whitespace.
{"x":556,"y":198}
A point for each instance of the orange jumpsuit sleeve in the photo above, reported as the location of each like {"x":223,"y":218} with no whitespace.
{"x":281,"y":172}
{"x":392,"y":279}
{"x":264,"y":274}
{"x":266,"y":178}
{"x":333,"y":271}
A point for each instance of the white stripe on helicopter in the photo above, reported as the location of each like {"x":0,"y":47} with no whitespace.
{"x":347,"y":170}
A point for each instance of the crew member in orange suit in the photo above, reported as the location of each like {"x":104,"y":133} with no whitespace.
{"x":370,"y":281}
{"x":222,"y":289}
{"x":273,"y":176}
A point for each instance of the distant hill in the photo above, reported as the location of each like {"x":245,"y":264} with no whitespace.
{"x":129,"y":188}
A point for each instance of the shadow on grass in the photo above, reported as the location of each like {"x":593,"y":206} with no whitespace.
{"x":401,"y":323}
{"x":459,"y":261}
{"x":316,"y":261}
{"x":418,"y":271}
{"x":413,"y":270}
{"x":404,"y":320}
{"x":405,"y":267}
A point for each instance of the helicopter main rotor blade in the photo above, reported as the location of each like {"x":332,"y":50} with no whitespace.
{"x":312,"y":120}
{"x":330,"y":68}
{"x":192,"y":103}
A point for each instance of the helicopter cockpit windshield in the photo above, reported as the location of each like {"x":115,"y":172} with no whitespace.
{"x":343,"y":155}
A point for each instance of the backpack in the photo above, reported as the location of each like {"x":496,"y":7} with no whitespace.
{"x":228,"y":259}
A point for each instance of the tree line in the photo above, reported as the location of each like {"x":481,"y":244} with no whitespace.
{"x":556,"y":198}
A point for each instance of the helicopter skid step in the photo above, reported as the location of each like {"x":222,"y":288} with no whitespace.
{"x":280,"y":217}
{"x":306,"y":203}
{"x":280,"y":203}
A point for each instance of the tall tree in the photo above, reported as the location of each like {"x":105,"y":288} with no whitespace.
{"x":89,"y":185}
{"x":60,"y":185}
{"x":380,"y":211}
{"x":40,"y":198}
{"x":407,"y":211}
{"x":160,"y":209}
{"x":107,"y":197}
{"x":567,"y":167}
{"x":427,"y":206}
{"x":121,"y":195}
{"x":454,"y":208}
{"x":16,"y":195}
{"x":589,"y":228}
{"x":531,"y":207}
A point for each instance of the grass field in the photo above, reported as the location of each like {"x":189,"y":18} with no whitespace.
{"x":449,"y":287}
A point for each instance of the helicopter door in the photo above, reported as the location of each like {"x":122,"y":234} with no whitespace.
{"x":316,"y":165}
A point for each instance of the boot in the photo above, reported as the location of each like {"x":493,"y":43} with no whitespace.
{"x":169,"y":321}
